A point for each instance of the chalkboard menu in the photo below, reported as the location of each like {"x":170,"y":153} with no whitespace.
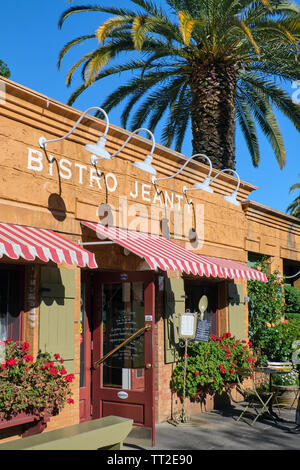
{"x":203,"y":330}
{"x":132,"y":355}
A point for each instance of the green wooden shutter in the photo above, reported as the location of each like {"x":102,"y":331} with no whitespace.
{"x":174,"y":305}
{"x":236,"y":310}
{"x":57,"y":306}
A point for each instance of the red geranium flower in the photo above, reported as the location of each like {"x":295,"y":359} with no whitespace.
{"x":53,"y":371}
{"x":70,"y":377}
{"x":25,"y":347}
{"x":11,"y":362}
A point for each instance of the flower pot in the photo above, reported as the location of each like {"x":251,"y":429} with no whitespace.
{"x":285,"y":395}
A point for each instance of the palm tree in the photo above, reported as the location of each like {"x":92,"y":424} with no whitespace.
{"x":294,"y":207}
{"x":208,"y":64}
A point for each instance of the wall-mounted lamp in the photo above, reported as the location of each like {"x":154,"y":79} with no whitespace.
{"x":206,"y":186}
{"x":155,"y":180}
{"x":145,"y":165}
{"x":98,"y":148}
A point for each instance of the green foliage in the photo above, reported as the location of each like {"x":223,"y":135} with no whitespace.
{"x":292,"y":299}
{"x":212,"y":366}
{"x":272,"y":336}
{"x":4,"y":70}
{"x":276,"y":339}
{"x":30,"y":386}
{"x":259,"y":39}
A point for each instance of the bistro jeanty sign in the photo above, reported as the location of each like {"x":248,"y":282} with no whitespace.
{"x":188,"y":223}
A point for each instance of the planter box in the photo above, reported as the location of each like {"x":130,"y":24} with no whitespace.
{"x":31,"y":423}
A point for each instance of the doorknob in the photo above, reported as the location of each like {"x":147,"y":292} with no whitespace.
{"x":148,"y":366}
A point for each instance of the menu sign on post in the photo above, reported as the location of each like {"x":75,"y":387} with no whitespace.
{"x":203,"y":330}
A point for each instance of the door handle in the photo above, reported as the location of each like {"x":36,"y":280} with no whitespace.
{"x":148,"y":366}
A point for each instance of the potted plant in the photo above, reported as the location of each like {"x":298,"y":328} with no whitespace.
{"x":286,"y":387}
{"x":212,"y":366}
{"x":31,"y":390}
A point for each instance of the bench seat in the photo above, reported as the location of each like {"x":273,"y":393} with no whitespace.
{"x":103,"y":433}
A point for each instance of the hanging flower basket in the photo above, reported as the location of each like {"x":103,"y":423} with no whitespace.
{"x":31,"y":391}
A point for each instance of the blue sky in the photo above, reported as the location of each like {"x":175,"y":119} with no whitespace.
{"x":30,"y":42}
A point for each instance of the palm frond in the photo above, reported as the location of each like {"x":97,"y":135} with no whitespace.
{"x":277,"y":96}
{"x":70,"y":44}
{"x":294,"y":207}
{"x":76,"y":65}
{"x":79,"y":9}
{"x":294,"y":186}
{"x":247,"y":124}
{"x":186,"y":25}
{"x":263,"y":113}
{"x":106,"y":28}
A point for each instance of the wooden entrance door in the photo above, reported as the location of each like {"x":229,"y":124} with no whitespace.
{"x":124,"y":384}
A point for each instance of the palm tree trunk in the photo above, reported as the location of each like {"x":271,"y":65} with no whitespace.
{"x":213,"y":88}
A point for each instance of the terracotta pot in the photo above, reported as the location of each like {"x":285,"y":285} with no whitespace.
{"x":285,"y":395}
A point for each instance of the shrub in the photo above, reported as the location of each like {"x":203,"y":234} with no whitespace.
{"x":276,"y":339}
{"x":32,"y":386}
{"x":292,"y":299}
{"x":212,"y":366}
{"x":266,"y":311}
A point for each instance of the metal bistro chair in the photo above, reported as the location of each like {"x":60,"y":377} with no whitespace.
{"x":253,"y":398}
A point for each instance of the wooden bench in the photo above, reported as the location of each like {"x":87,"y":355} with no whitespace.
{"x":104,"y":433}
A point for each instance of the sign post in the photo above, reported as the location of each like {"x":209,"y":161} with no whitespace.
{"x":187,"y":330}
{"x":192,"y":327}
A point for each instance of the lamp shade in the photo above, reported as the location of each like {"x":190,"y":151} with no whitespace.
{"x":98,"y":149}
{"x":205,"y":186}
{"x":231,"y":198}
{"x":146,"y":165}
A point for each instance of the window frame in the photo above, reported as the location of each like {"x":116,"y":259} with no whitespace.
{"x":21,"y":304}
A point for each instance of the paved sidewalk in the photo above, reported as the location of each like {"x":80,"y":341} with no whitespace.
{"x":219,"y":430}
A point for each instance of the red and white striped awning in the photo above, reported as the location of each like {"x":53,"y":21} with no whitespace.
{"x":18,"y":241}
{"x":160,"y":252}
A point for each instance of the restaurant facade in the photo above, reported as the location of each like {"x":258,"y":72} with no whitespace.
{"x":93,"y":252}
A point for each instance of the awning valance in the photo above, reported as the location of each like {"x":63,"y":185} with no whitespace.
{"x":29,"y":243}
{"x":160,"y":252}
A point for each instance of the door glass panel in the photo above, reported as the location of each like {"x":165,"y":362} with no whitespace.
{"x":122,"y":316}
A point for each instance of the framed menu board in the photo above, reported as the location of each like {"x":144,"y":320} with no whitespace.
{"x":203,"y":330}
{"x":187,"y":325}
